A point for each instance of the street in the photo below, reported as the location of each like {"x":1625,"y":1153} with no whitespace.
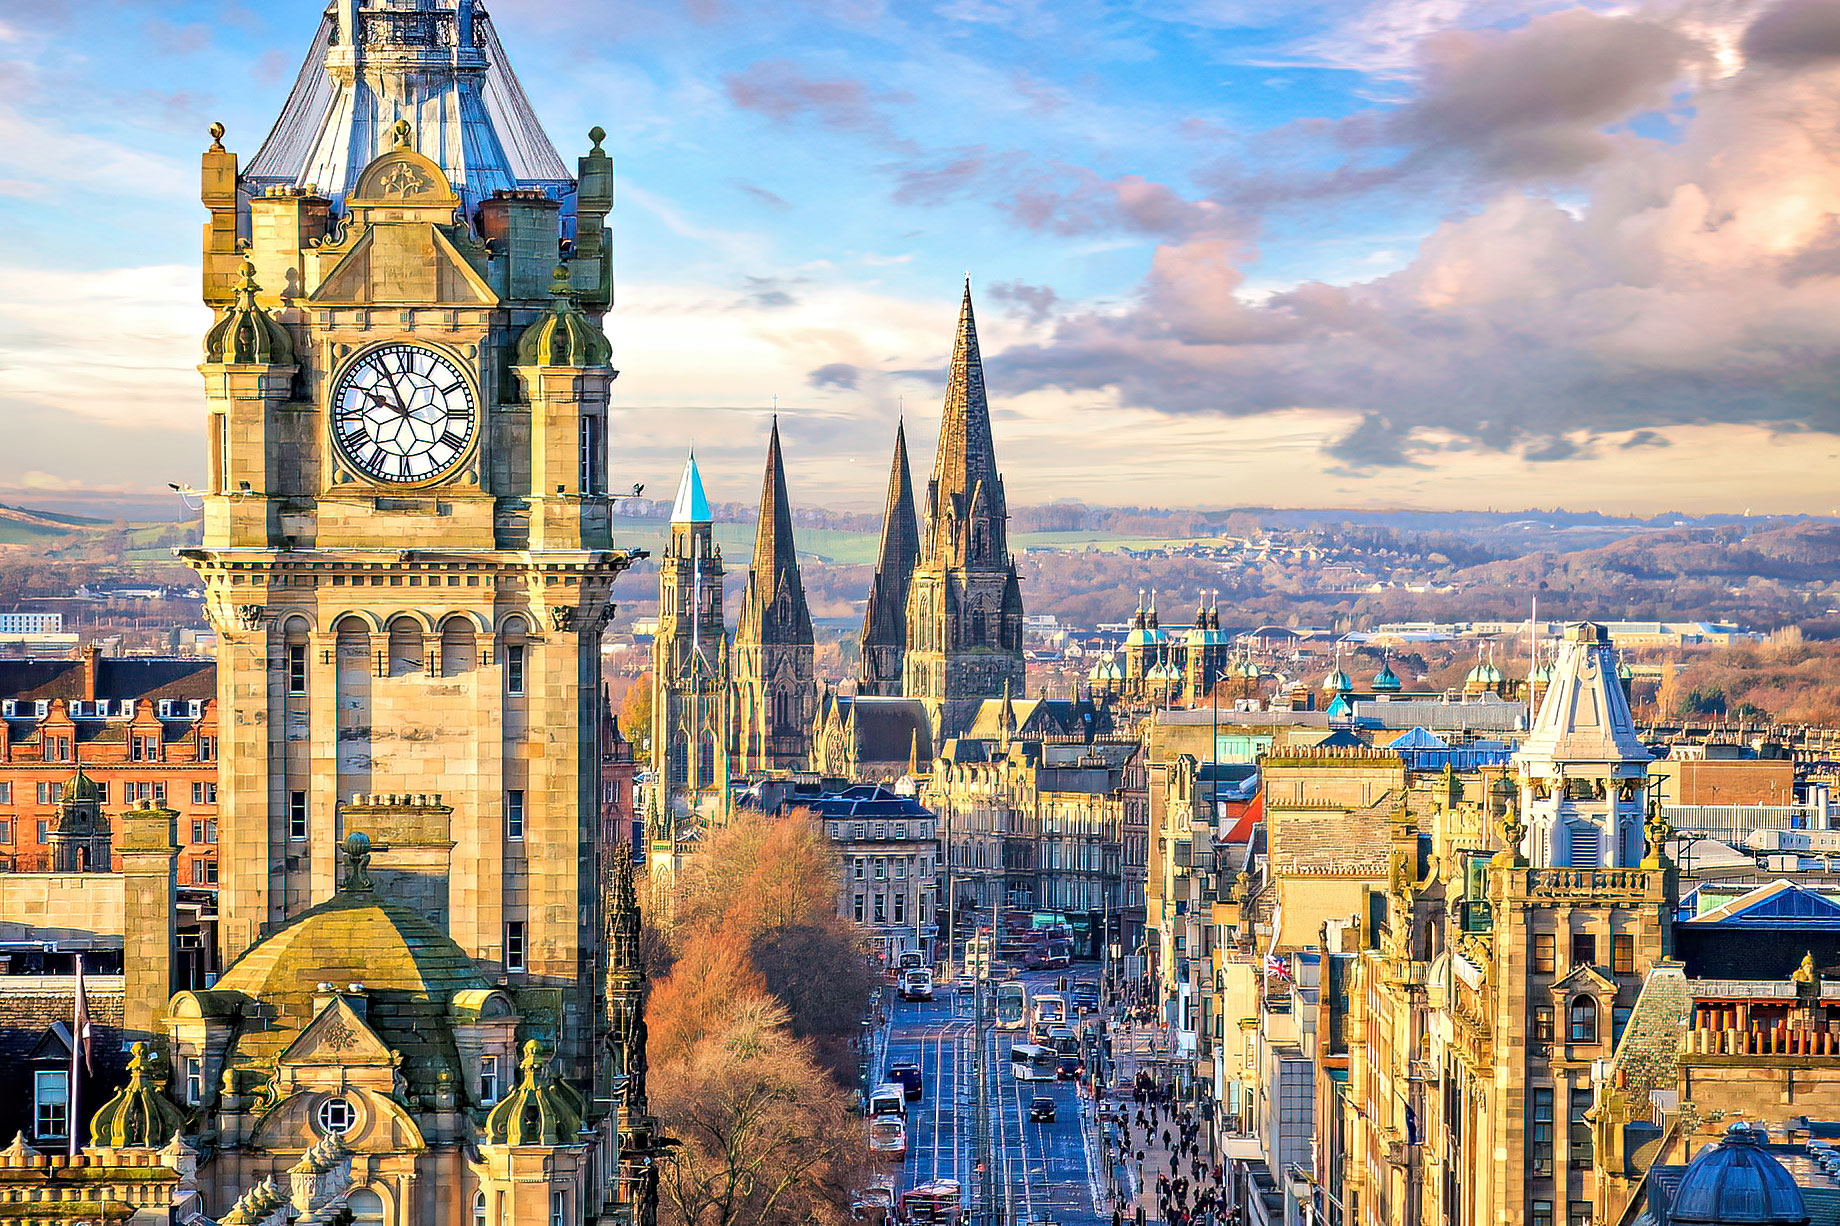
{"x":1043,"y":1172}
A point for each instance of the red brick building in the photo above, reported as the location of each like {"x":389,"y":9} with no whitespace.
{"x":143,"y":728}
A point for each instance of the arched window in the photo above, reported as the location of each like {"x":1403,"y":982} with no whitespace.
{"x":479,"y":1208}
{"x":405,"y":647}
{"x":457,"y":646}
{"x":294,"y":636}
{"x":1582,"y":1024}
{"x":706,"y":759}
{"x":365,"y":1206}
{"x":514,"y":652}
{"x":680,"y":758}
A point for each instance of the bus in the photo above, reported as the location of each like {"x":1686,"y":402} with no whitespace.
{"x":1049,"y":1008}
{"x":1009,"y":1006}
{"x":1028,"y":1062}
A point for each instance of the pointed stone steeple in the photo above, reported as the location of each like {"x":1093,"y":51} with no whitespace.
{"x":967,"y":518}
{"x":884,"y":636}
{"x":773,"y":660}
{"x":964,"y":606}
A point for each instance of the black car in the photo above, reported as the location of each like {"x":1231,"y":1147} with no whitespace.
{"x":1041,"y":1110}
{"x":1071,"y":1066}
{"x":906,"y":1074}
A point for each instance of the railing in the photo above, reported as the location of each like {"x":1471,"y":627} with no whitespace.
{"x":1736,"y":821}
{"x":1588,"y":882}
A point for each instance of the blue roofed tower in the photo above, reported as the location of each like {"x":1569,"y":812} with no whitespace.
{"x":690,"y":663}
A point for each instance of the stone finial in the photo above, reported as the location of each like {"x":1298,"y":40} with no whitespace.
{"x":217,"y":137}
{"x":356,"y":852}
{"x":540,"y":1111}
{"x":403,"y":134}
{"x":247,"y":334}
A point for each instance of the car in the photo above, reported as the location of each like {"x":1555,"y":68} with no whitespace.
{"x":1086,"y":996}
{"x":1071,"y":1067}
{"x":1041,"y":1109}
{"x":917,"y":984}
{"x":906,"y":1074}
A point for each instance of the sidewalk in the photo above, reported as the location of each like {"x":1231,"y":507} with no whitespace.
{"x":1130,"y":1047}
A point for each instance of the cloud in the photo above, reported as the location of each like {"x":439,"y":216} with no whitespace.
{"x":1535,"y":101}
{"x":835,"y":374}
{"x":779,"y":90}
{"x":1643,"y":438}
{"x":1794,"y":33}
{"x":761,"y":195}
{"x":1688,"y":282}
{"x":1036,"y":302}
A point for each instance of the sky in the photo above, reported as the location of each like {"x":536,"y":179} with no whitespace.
{"x":1432,"y":253}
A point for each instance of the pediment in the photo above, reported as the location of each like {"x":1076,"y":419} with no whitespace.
{"x":403,"y":178}
{"x":1584,"y":979}
{"x":408,"y":263}
{"x":338,"y":1036}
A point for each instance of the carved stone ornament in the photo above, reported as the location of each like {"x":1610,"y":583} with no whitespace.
{"x":562,"y":617}
{"x":249,"y":616}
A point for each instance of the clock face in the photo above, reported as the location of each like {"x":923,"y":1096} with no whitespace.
{"x":403,"y":414}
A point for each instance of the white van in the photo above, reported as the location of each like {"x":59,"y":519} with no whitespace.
{"x":889,"y":1098}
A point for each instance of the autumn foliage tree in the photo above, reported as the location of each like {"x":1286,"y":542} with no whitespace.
{"x":750,"y":1031}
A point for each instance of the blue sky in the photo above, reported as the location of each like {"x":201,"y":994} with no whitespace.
{"x":1452,"y":253}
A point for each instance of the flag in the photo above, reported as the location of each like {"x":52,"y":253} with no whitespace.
{"x":81,"y":1029}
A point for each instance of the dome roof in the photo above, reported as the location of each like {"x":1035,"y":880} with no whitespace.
{"x":80,"y":789}
{"x":1249,"y":670}
{"x":1386,"y":679}
{"x":565,"y":336}
{"x":1483,"y":674}
{"x":1624,"y":672}
{"x":1337,"y":682}
{"x":1146,"y":636}
{"x":247,"y":334}
{"x":138,"y":1115}
{"x":410,"y":971}
{"x":1543,"y":675}
{"x":1737,"y":1182}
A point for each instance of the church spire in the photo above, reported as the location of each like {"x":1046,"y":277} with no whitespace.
{"x":966,"y":513}
{"x":774,"y":606}
{"x":884,"y":617}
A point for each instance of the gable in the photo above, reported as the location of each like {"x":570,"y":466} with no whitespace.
{"x":338,"y":1036}
{"x":1780,"y":904}
{"x":403,"y":264}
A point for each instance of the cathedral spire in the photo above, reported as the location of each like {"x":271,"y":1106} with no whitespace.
{"x":966,"y":513}
{"x":773,"y":671}
{"x":774,"y":604}
{"x":884,"y":617}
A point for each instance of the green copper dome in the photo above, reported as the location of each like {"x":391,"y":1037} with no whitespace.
{"x":1337,"y":682}
{"x":1386,"y":680}
{"x":541,"y":1111}
{"x":1483,"y":674}
{"x":566,"y":336}
{"x":138,"y":1116}
{"x":80,"y":789}
{"x":247,"y":335}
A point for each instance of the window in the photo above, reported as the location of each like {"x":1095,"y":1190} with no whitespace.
{"x":900,"y":869}
{"x":194,"y":1080}
{"x":102,"y":790}
{"x":6,"y":793}
{"x":1578,"y":1213}
{"x":859,"y":908}
{"x":881,"y":830}
{"x":51,"y":1104}
{"x":881,"y":869}
{"x":207,"y":749}
{"x":1544,"y":952}
{"x":1543,"y":1024}
{"x":6,"y":830}
{"x":860,"y":830}
{"x":197,"y":872}
{"x":1584,"y":949}
{"x":881,"y":908}
{"x":47,"y":793}
{"x":1540,"y":1135}
{"x":479,"y":1209}
{"x":297,"y":815}
{"x":336,"y":1115}
{"x":857,"y":868}
{"x":900,"y":908}
{"x":1581,"y":1024}
{"x":900,"y":830}
{"x":1623,"y":954}
{"x":558,"y":1208}
{"x":514,"y":815}
{"x":1578,"y":1135}
{"x":204,"y":794}
{"x":488,"y":1080}
{"x":514,"y":945}
{"x":1619,"y":1018}
{"x":296,"y":668}
{"x":44,"y":828}
{"x":1541,"y":1215}
{"x":591,"y":455}
{"x":514,"y":668}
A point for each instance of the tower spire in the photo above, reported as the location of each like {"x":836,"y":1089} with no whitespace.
{"x":773,"y":638}
{"x":962,"y":518}
{"x":884,"y":633}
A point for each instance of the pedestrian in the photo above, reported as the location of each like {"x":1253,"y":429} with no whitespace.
{"x":1117,"y":1217}
{"x":1165,"y":1138}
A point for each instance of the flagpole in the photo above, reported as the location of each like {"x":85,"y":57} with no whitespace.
{"x":79,"y":1010}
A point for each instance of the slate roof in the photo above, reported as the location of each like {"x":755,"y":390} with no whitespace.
{"x":1781,"y":904}
{"x":148,"y":678}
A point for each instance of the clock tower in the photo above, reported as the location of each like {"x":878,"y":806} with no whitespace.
{"x":407,"y":550}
